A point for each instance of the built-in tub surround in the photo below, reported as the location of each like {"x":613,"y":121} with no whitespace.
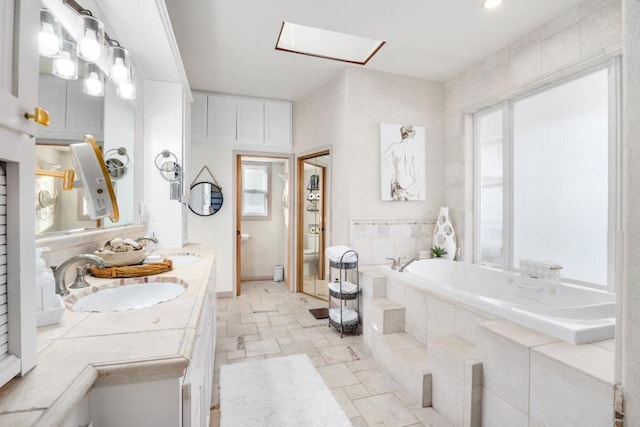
{"x":87,"y":350}
{"x":575,"y":314}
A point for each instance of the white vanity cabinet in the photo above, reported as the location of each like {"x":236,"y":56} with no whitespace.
{"x":241,"y":120}
{"x":73,"y":114}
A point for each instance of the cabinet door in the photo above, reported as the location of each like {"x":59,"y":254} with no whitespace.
{"x":277,"y":123}
{"x":52,"y":95}
{"x":199,"y":117}
{"x":84,"y":112}
{"x":221,"y":118}
{"x":250,"y":121}
{"x":18,"y":63}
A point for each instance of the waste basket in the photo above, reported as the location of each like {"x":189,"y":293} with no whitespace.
{"x":278,"y":273}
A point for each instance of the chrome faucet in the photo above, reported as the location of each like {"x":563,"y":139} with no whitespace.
{"x":59,"y":271}
{"x":401,"y":269}
{"x":153,"y":239}
{"x":395,"y":262}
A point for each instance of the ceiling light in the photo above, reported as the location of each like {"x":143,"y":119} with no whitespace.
{"x":491,"y":4}
{"x":326,"y":44}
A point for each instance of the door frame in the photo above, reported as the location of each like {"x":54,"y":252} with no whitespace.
{"x":237,"y":176}
{"x":300,"y":188}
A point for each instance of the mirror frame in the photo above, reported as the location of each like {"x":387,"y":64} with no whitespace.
{"x":214,"y":190}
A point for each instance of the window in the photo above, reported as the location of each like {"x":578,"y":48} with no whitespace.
{"x":256,"y":180}
{"x":545,"y":182}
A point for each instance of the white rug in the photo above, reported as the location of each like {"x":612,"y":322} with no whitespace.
{"x":283,"y":391}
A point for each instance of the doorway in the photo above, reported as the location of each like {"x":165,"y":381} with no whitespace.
{"x":263,"y":217}
{"x":311,"y":219}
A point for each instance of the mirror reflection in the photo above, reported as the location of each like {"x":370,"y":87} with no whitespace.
{"x":74,"y":114}
{"x":205,"y":198}
{"x":313,"y":196}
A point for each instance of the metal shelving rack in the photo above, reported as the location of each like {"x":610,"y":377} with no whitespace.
{"x":343,"y":318}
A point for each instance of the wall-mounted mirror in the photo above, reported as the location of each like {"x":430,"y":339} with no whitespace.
{"x":111,"y":120}
{"x":205,"y":198}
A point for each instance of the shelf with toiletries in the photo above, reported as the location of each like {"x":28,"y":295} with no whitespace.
{"x":344,"y":317}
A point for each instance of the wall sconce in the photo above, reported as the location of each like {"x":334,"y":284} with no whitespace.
{"x":167,"y":163}
{"x":65,"y":65}
{"x":117,"y":161}
{"x":50,"y":37}
{"x":93,"y":83}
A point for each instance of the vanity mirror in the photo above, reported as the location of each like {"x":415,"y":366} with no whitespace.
{"x":205,"y":197}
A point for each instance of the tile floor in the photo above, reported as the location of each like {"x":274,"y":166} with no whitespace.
{"x":269,"y":321}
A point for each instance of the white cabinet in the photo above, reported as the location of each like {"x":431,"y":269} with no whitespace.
{"x":241,"y":120}
{"x":73,"y":114}
{"x":221,"y":118}
{"x":199,"y":116}
{"x":250,"y":121}
{"x":277,"y":123}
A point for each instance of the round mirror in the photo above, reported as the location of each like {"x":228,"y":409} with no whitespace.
{"x":205,"y":198}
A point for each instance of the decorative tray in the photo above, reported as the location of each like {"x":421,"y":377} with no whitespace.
{"x":132,"y":270}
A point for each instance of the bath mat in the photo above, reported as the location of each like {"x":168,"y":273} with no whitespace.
{"x":319,"y":313}
{"x":283,"y":391}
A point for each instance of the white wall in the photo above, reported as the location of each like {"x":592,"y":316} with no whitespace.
{"x":163,"y":130}
{"x":346,"y":114}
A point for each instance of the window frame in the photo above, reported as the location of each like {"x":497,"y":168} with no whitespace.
{"x":613,"y":66}
{"x":254,"y":217}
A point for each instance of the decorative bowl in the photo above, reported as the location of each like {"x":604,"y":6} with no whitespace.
{"x":117,"y":259}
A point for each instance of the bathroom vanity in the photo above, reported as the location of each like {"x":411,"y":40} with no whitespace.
{"x":150,"y":366}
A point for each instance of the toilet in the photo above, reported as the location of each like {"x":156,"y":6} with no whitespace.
{"x":310,"y":254}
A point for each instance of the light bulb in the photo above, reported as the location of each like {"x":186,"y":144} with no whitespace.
{"x":66,"y":65}
{"x":126,"y":90}
{"x":119,"y":71}
{"x":90,"y":38}
{"x":89,"y":48}
{"x":491,"y":4}
{"x":93,"y":83}
{"x":48,"y":40}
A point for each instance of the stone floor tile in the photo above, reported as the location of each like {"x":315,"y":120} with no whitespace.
{"x":377,"y":382}
{"x":384,"y":410}
{"x":339,"y":353}
{"x":260,"y":348}
{"x":239,"y":329}
{"x":345,"y":402}
{"x":356,"y":391}
{"x":429,"y":417}
{"x":338,"y":375}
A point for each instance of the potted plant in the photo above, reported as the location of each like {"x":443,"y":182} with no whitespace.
{"x":438,"y":252}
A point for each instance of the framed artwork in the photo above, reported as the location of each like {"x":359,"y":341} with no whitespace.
{"x":402,"y":162}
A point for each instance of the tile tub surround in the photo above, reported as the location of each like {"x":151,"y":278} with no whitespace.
{"x":89,"y":349}
{"x":527,"y":377}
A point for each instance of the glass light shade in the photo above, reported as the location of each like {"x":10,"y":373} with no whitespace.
{"x":66,"y":64}
{"x":91,"y":38}
{"x":93,"y":83}
{"x":126,"y":90}
{"x":491,"y":4}
{"x":119,"y":64}
{"x":50,"y":36}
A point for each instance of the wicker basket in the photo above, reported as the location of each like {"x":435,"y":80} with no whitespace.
{"x":132,"y":270}
{"x":116,"y":259}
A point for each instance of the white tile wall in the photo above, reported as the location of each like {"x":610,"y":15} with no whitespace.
{"x":498,"y":413}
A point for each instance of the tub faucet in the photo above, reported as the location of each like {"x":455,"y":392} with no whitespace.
{"x":395,"y":262}
{"x":59,"y":271}
{"x":401,"y":269}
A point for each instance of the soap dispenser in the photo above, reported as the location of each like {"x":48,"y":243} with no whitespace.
{"x":49,"y":305}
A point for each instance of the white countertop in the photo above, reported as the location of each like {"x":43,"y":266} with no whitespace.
{"x":87,"y":349}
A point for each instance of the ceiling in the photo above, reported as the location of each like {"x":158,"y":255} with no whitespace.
{"x":227,"y":46}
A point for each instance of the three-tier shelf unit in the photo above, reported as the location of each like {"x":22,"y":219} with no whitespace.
{"x":344,"y":295}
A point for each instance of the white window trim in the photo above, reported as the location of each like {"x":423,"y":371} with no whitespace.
{"x":614,"y":241}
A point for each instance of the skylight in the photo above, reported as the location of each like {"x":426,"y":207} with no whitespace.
{"x":326,"y":44}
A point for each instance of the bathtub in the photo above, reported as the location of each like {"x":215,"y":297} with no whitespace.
{"x":573,"y":313}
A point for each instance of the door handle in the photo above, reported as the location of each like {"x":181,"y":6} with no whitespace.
{"x":237,"y":232}
{"x":40,"y":116}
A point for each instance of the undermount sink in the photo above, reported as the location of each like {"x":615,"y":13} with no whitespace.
{"x":184,"y":259}
{"x":128,"y":297}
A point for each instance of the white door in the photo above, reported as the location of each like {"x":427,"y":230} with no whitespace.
{"x":18,"y":95}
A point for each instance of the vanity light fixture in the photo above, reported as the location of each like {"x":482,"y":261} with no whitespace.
{"x":93,"y":83}
{"x":50,"y":36}
{"x":491,"y":4}
{"x":65,"y":65}
{"x":90,"y":43}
